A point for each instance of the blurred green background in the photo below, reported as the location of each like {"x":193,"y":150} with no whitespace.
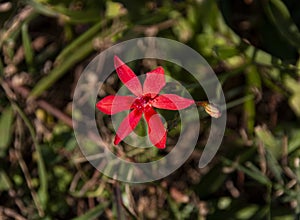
{"x":253,"y":46}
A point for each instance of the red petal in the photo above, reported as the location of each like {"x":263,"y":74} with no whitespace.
{"x":128,"y":125}
{"x":155,"y":81}
{"x":128,"y":77}
{"x":113,"y":104}
{"x":157,"y":131}
{"x":172,"y":102}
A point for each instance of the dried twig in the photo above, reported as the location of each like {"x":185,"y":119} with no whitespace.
{"x":152,"y":30}
{"x":24,"y":92}
{"x":119,"y":202}
{"x":26,"y":170}
{"x":10,"y":213}
{"x":16,"y":23}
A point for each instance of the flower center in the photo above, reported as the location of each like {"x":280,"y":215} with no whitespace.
{"x":142,"y":102}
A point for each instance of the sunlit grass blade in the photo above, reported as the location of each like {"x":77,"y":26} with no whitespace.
{"x":82,"y":50}
{"x":6,"y":122}
{"x":60,"y":70}
{"x":253,"y":86}
{"x":28,"y":51}
{"x":85,"y":37}
{"x":43,"y":8}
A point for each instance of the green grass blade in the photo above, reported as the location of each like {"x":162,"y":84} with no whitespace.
{"x":5,"y":182}
{"x":6,"y":121}
{"x":1,"y":68}
{"x":280,"y":16}
{"x":76,"y":55}
{"x":60,"y":70}
{"x":251,"y":171}
{"x":94,"y":30}
{"x":253,"y":84}
{"x":93,"y":213}
{"x":43,"y":8}
{"x":43,"y":190}
{"x":28,"y":51}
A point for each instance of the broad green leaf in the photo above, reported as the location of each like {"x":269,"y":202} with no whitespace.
{"x":6,"y":121}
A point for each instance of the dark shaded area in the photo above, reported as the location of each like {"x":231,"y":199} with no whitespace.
{"x":251,"y":22}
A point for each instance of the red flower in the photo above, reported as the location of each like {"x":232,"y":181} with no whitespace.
{"x":145,"y":98}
